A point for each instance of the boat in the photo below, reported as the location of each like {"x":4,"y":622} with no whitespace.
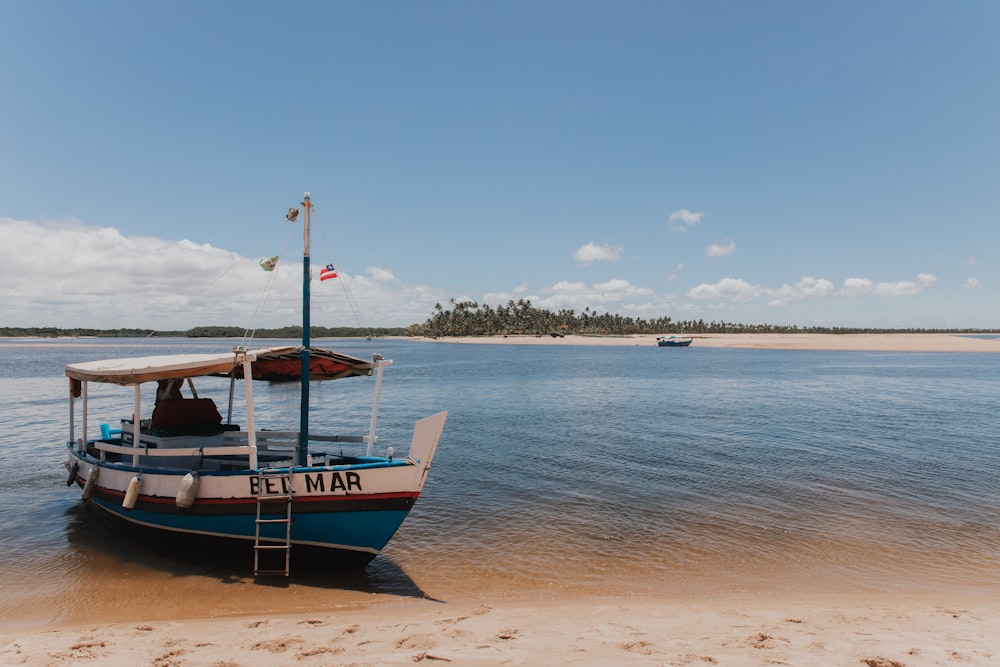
{"x":267,"y":490}
{"x":674,"y":341}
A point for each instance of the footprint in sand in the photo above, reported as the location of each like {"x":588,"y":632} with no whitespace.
{"x":692,"y":658}
{"x":277,"y":645}
{"x":882,"y":662}
{"x":170,"y":658}
{"x":318,"y":651}
{"x":640,"y":647}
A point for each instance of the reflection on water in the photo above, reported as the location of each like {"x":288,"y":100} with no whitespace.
{"x":565,"y":471}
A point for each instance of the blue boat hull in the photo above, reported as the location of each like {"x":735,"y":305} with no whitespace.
{"x":340,"y":529}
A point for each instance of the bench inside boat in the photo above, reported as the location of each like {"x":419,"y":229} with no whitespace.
{"x":195,"y":424}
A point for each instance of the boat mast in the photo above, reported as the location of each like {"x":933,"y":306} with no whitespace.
{"x":303,"y":450}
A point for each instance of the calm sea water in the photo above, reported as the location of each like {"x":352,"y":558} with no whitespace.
{"x":563,"y":471}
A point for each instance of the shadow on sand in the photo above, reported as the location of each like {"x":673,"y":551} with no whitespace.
{"x":88,"y":532}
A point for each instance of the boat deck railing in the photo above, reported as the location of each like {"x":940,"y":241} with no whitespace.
{"x":235,"y":447}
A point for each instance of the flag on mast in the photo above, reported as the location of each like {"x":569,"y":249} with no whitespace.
{"x":269,"y":263}
{"x":328,"y":272}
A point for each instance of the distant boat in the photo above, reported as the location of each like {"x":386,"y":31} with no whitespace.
{"x":184,"y":471}
{"x":674,"y":341}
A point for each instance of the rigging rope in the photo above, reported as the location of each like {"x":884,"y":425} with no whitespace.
{"x":258,"y":312}
{"x":265,"y":296}
{"x":194,"y":297}
{"x":345,"y":284}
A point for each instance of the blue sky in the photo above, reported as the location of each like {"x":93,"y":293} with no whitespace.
{"x":776,"y":161}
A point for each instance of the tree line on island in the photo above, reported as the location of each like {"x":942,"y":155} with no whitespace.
{"x":468,"y":318}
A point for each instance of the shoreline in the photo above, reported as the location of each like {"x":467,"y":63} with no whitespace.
{"x":882,"y":342}
{"x":877,"y":342}
{"x":879,"y":630}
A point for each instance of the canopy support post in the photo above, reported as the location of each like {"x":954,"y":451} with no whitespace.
{"x":136,"y":426}
{"x":380,"y":364}
{"x":232,"y":391}
{"x":72,"y":414}
{"x":251,"y":430}
{"x":84,"y":422}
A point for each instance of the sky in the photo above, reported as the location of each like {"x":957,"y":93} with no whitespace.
{"x":776,"y":161}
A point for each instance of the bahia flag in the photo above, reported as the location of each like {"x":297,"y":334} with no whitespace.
{"x":269,"y":263}
{"x":328,"y":272}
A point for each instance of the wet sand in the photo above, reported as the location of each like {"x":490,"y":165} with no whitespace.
{"x":856,"y":630}
{"x":901,"y":342}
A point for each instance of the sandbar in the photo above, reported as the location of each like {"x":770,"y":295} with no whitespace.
{"x":881,"y":342}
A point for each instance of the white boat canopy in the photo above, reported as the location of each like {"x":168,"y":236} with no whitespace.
{"x":277,"y":364}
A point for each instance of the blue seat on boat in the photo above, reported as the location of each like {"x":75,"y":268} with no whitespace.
{"x":107,"y":431}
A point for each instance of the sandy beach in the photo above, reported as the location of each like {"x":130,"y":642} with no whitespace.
{"x":873,"y":631}
{"x":901,"y":342}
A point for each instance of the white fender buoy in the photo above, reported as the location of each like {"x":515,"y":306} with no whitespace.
{"x":88,"y":486}
{"x":388,"y":453}
{"x":132,"y":493}
{"x":188,"y":490}
{"x":74,"y":470}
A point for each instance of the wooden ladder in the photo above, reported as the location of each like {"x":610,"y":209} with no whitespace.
{"x":274,"y":488}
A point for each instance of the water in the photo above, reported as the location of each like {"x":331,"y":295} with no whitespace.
{"x":564,"y":471}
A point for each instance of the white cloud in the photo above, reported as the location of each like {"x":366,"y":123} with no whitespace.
{"x":621,"y":296}
{"x":857,"y":287}
{"x":813,"y":287}
{"x":69,"y":274}
{"x":972,"y":283}
{"x":735,"y":289}
{"x":676,"y":273}
{"x":592,"y":252}
{"x":496,"y":298}
{"x":567,"y":287}
{"x":854,"y":287}
{"x":657,"y":307}
{"x":500,"y":298}
{"x":682,"y":219}
{"x":609,"y":296}
{"x":807,"y":288}
{"x":715,"y":250}
{"x":621,"y":288}
{"x":381,"y":275}
{"x":565,"y":294}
